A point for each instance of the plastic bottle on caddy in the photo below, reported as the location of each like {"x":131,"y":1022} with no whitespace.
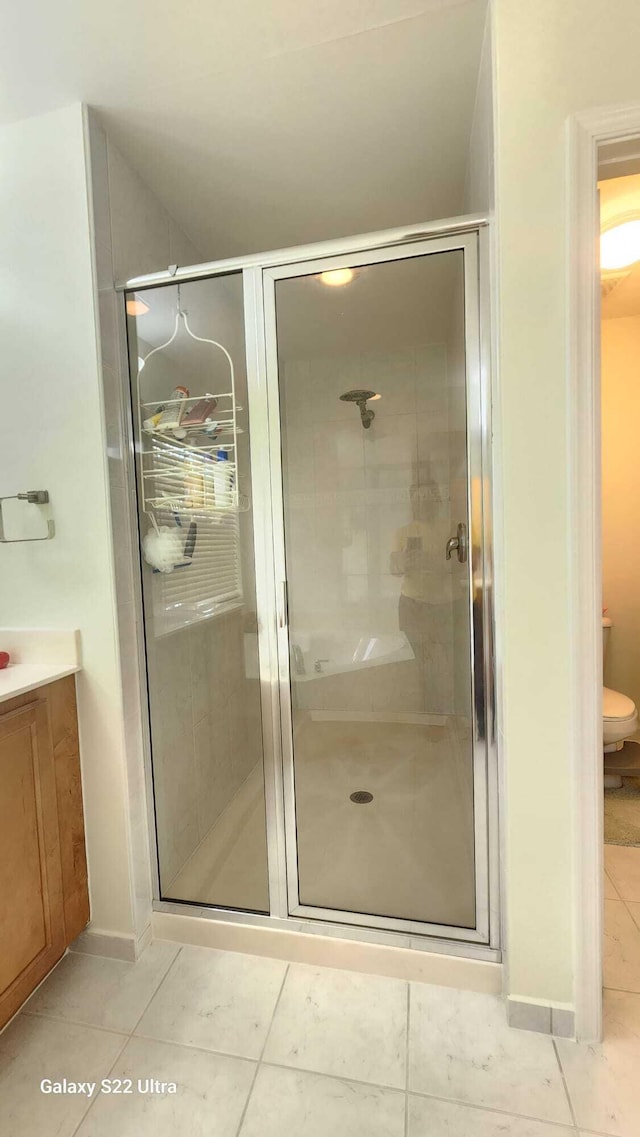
{"x":222,"y":480}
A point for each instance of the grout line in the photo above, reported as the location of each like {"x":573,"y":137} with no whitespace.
{"x":626,"y":904}
{"x":193,"y":1046}
{"x":156,"y":989}
{"x":273,"y":1015}
{"x":593,"y":1133}
{"x":614,"y":886}
{"x":563,"y":1126}
{"x":76,"y":1022}
{"x":264,"y":1047}
{"x":338,"y":1077}
{"x":406,"y":1064}
{"x":121,"y":1031}
{"x":100,"y":1094}
{"x":564,"y":1082}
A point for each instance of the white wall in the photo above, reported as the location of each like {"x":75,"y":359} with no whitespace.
{"x":51,"y":437}
{"x":552,"y":60}
{"x":479,"y":189}
{"x":621,"y":500}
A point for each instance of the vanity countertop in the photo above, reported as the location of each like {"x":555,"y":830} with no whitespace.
{"x":38,"y":657}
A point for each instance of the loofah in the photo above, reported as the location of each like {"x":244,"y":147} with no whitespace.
{"x":163,"y":548}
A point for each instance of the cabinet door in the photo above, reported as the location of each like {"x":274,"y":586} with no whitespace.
{"x":31,"y":908}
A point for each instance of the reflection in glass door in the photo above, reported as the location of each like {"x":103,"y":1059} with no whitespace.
{"x":373,"y":362}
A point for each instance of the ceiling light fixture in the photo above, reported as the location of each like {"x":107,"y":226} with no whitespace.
{"x":337,"y":277}
{"x":620,"y":246}
{"x":136,"y":307}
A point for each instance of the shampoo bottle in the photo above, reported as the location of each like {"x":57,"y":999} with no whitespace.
{"x":222,"y":480}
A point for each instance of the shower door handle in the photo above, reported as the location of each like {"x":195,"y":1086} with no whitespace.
{"x":458,"y":544}
{"x":283,"y":619}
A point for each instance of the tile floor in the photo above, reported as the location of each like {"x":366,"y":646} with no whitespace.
{"x":622,"y":918}
{"x":259,"y":1048}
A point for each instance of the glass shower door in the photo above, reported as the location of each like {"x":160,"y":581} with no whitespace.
{"x":193,"y":458}
{"x":374,"y":383}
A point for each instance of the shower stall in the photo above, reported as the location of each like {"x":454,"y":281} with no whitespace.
{"x":311,"y":447}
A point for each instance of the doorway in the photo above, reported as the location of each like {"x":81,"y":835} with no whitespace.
{"x":619,"y":192}
{"x":594,"y":136}
{"x":332,"y":577}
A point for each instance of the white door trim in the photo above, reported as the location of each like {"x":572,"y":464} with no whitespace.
{"x":585,"y":132}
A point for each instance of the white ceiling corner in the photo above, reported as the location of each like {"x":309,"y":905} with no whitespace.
{"x":262,"y":125}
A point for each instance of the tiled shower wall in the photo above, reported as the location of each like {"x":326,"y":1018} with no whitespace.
{"x":134,"y":235}
{"x":348,"y":495}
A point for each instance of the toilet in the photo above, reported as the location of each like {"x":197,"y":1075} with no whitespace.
{"x":619,"y":719}
{"x":619,"y":712}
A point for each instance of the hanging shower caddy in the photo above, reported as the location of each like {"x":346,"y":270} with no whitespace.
{"x":183,"y":469}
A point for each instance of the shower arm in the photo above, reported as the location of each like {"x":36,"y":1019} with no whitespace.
{"x":360,"y":398}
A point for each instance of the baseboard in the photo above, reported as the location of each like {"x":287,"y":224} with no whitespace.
{"x":331,"y":951}
{"x":93,"y":941}
{"x":544,"y":1018}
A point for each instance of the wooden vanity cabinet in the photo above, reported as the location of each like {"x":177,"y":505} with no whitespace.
{"x":44,"y":899}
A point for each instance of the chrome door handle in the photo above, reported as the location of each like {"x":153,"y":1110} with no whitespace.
{"x":458,"y":544}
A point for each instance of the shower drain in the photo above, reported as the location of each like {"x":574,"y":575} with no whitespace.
{"x":361,"y":797}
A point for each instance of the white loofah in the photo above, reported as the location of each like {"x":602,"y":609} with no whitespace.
{"x":163,"y":548}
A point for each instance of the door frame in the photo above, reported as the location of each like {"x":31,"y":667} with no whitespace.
{"x":585,"y":133}
{"x":480,"y":600}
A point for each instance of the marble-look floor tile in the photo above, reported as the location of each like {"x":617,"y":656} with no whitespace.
{"x":460,"y":1047}
{"x":212,"y":1091}
{"x":621,"y":963}
{"x":341,"y":1023}
{"x":602,"y":1078}
{"x":634,"y":909}
{"x":622,"y":863}
{"x":100,"y":991}
{"x":215,"y":999}
{"x":610,"y":890}
{"x":429,"y":1117}
{"x":311,"y":1105}
{"x":34,"y":1048}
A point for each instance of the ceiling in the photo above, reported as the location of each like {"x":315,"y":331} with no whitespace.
{"x":261,"y":125}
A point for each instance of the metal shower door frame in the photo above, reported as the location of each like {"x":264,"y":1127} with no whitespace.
{"x":260,"y":286}
{"x":263,"y":410}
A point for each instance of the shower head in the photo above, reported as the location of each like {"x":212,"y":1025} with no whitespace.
{"x":360,"y":398}
{"x":357,"y":396}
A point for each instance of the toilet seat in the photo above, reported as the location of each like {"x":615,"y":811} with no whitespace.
{"x":619,"y":716}
{"x":616,"y":706}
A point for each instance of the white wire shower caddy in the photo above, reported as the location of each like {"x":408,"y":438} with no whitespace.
{"x":179,"y":466}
